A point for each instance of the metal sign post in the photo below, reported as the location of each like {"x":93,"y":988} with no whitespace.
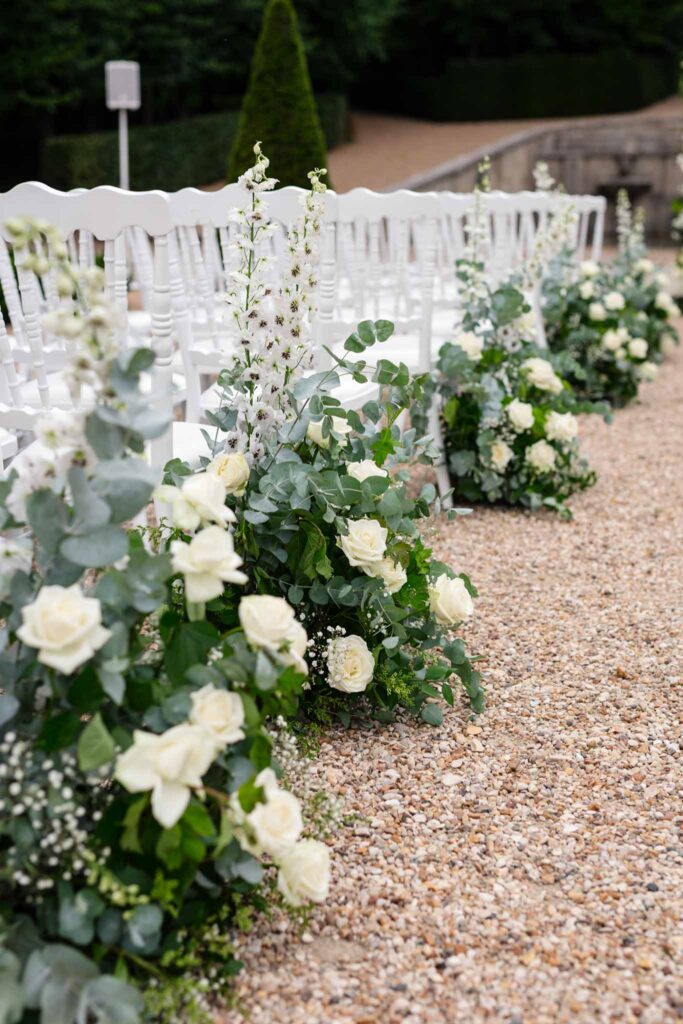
{"x":122,"y":84}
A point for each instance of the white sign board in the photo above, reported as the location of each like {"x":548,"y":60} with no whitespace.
{"x":122,"y":82}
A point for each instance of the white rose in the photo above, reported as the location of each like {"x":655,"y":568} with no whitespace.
{"x":541,"y":456}
{"x":362,"y":470}
{"x":14,"y":556}
{"x":269,"y":623}
{"x":170,"y":765}
{"x":450,"y":601}
{"x":65,"y":626}
{"x":589,"y":268}
{"x":220,"y":713}
{"x":662,"y":280}
{"x":276,"y":824}
{"x":643,"y":266}
{"x":501,"y":453}
{"x":365,"y":542}
{"x":304,"y":875}
{"x":664,"y":302}
{"x":200,"y":501}
{"x":614,"y":300}
{"x":471,"y":344}
{"x":350,"y":665}
{"x":586,"y":290}
{"x":637,"y":348}
{"x":207,"y":563}
{"x":232,"y":469}
{"x":561,"y":426}
{"x":541,"y":374}
{"x":520,"y":414}
{"x":611,"y":340}
{"x":648,"y":371}
{"x":596,"y":311}
{"x":393,"y":574}
{"x":340,"y":426}
{"x":267,"y":779}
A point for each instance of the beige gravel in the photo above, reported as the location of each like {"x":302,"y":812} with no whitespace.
{"x":529,"y":867}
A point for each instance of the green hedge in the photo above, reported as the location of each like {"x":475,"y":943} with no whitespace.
{"x":167,"y":156}
{"x":536,"y":85}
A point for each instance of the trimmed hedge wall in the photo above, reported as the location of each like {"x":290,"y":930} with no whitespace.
{"x":167,"y":156}
{"x":536,"y":85}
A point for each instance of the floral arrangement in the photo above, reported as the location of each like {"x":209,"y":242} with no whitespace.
{"x":610,"y":323}
{"x":140,"y":813}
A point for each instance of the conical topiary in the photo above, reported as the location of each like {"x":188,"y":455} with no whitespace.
{"x":279,"y":109}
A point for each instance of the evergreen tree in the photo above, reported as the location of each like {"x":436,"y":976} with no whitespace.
{"x":279,"y":109}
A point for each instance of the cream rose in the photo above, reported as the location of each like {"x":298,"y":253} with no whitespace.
{"x":612,"y":340}
{"x":276,"y":824}
{"x":637,"y":347}
{"x":586,"y":290}
{"x":596,"y":311}
{"x":471,"y":344}
{"x":393,"y":574}
{"x":365,"y":543}
{"x":614,"y":301}
{"x":207,"y":563}
{"x":643,"y":266}
{"x":520,"y":414}
{"x":220,"y":713}
{"x":589,"y":268}
{"x":269,"y":623}
{"x":65,"y":626}
{"x":449,"y":600}
{"x":170,"y":765}
{"x":340,"y":426}
{"x":541,"y":456}
{"x":648,"y":371}
{"x":363,"y":470}
{"x":501,"y":453}
{"x":350,"y":665}
{"x":304,"y":875}
{"x":561,"y":426}
{"x":232,"y":469}
{"x":664,"y":302}
{"x":200,"y":501}
{"x":541,"y":374}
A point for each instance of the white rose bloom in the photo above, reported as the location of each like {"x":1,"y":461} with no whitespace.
{"x":14,"y":556}
{"x":501,"y":453}
{"x":662,"y":280}
{"x":561,"y":426}
{"x":393,"y":574}
{"x":276,"y":824}
{"x":586,"y":290}
{"x":664,"y":302}
{"x":269,"y":623}
{"x":450,"y":601}
{"x":170,"y":765}
{"x":648,"y":371}
{"x":471,"y":345}
{"x":541,"y":374}
{"x":589,"y":268}
{"x":65,"y":626}
{"x":267,"y":779}
{"x":200,"y":501}
{"x":614,"y":301}
{"x":612,"y":340}
{"x":596,"y":311}
{"x":340,"y":426}
{"x":350,"y":665}
{"x":541,"y":456}
{"x":220,"y":713}
{"x":637,"y":348}
{"x":620,"y":352}
{"x":207,"y":563}
{"x":232,"y":469}
{"x":365,"y":543}
{"x":362,"y":470}
{"x":643,"y":266}
{"x":520,"y":414}
{"x":304,"y":875}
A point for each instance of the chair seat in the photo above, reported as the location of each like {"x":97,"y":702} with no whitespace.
{"x":8,"y":446}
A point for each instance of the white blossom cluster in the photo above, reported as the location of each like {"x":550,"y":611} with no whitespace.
{"x":471,"y":269}
{"x":543,"y":179}
{"x":549,"y":244}
{"x":272,"y":318}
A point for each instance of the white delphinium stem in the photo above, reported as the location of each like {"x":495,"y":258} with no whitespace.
{"x":548,"y":244}
{"x":472,"y":268}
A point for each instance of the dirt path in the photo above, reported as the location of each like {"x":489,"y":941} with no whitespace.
{"x":529,"y":867}
{"x":388,"y":150}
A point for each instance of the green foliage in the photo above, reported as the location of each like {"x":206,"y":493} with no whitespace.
{"x":278,"y":109}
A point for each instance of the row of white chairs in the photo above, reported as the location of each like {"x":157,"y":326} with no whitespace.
{"x":382,"y":255}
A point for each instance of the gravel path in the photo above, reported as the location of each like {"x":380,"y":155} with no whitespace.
{"x":526,"y":868}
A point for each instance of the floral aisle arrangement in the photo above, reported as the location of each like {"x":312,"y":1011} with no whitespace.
{"x":324,"y":518}
{"x":677,"y":228}
{"x":141,"y":819}
{"x":610,"y":324}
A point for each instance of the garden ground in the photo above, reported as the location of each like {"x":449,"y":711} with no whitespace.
{"x":526,"y":867}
